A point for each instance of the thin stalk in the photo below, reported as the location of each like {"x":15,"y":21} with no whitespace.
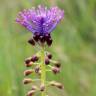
{"x":43,"y":71}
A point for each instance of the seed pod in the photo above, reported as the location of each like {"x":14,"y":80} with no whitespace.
{"x":42,"y":87}
{"x":55,"y":70}
{"x":31,"y":93}
{"x":34,"y":58}
{"x":28,"y":72}
{"x":31,"y":41}
{"x":27,"y":80}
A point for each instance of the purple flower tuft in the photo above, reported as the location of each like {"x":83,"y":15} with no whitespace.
{"x":40,"y":20}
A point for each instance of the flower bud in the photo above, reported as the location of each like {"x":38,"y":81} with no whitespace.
{"x":55,"y":70}
{"x":49,"y":55}
{"x":42,"y":87}
{"x":49,"y":42}
{"x":31,"y":41}
{"x":37,"y":69}
{"x":28,"y":60}
{"x":31,"y":93}
{"x":53,"y":83}
{"x":27,"y":81}
{"x":34,"y":88}
{"x":47,"y":36}
{"x":39,"y":73}
{"x":28,"y":72}
{"x":57,"y":84}
{"x":47,"y":61}
{"x":34,"y":58}
{"x":57,"y":64}
{"x":36,"y":37}
{"x":42,"y":39}
{"x":29,"y":64}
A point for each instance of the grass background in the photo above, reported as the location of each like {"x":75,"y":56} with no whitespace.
{"x":74,"y":44}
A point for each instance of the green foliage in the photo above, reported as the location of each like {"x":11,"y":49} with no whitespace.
{"x":74,"y":44}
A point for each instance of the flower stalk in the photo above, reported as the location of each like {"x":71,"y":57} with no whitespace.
{"x":43,"y":71}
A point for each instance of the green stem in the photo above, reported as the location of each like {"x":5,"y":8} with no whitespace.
{"x":43,"y":71}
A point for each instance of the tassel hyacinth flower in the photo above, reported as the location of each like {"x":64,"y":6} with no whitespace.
{"x":41,"y":21}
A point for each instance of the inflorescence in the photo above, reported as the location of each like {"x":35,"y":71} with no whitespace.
{"x":51,"y":66}
{"x":41,"y":22}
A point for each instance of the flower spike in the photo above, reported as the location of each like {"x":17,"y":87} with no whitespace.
{"x":41,"y":21}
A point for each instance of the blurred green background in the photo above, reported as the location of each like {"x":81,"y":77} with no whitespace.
{"x":74,"y":45}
